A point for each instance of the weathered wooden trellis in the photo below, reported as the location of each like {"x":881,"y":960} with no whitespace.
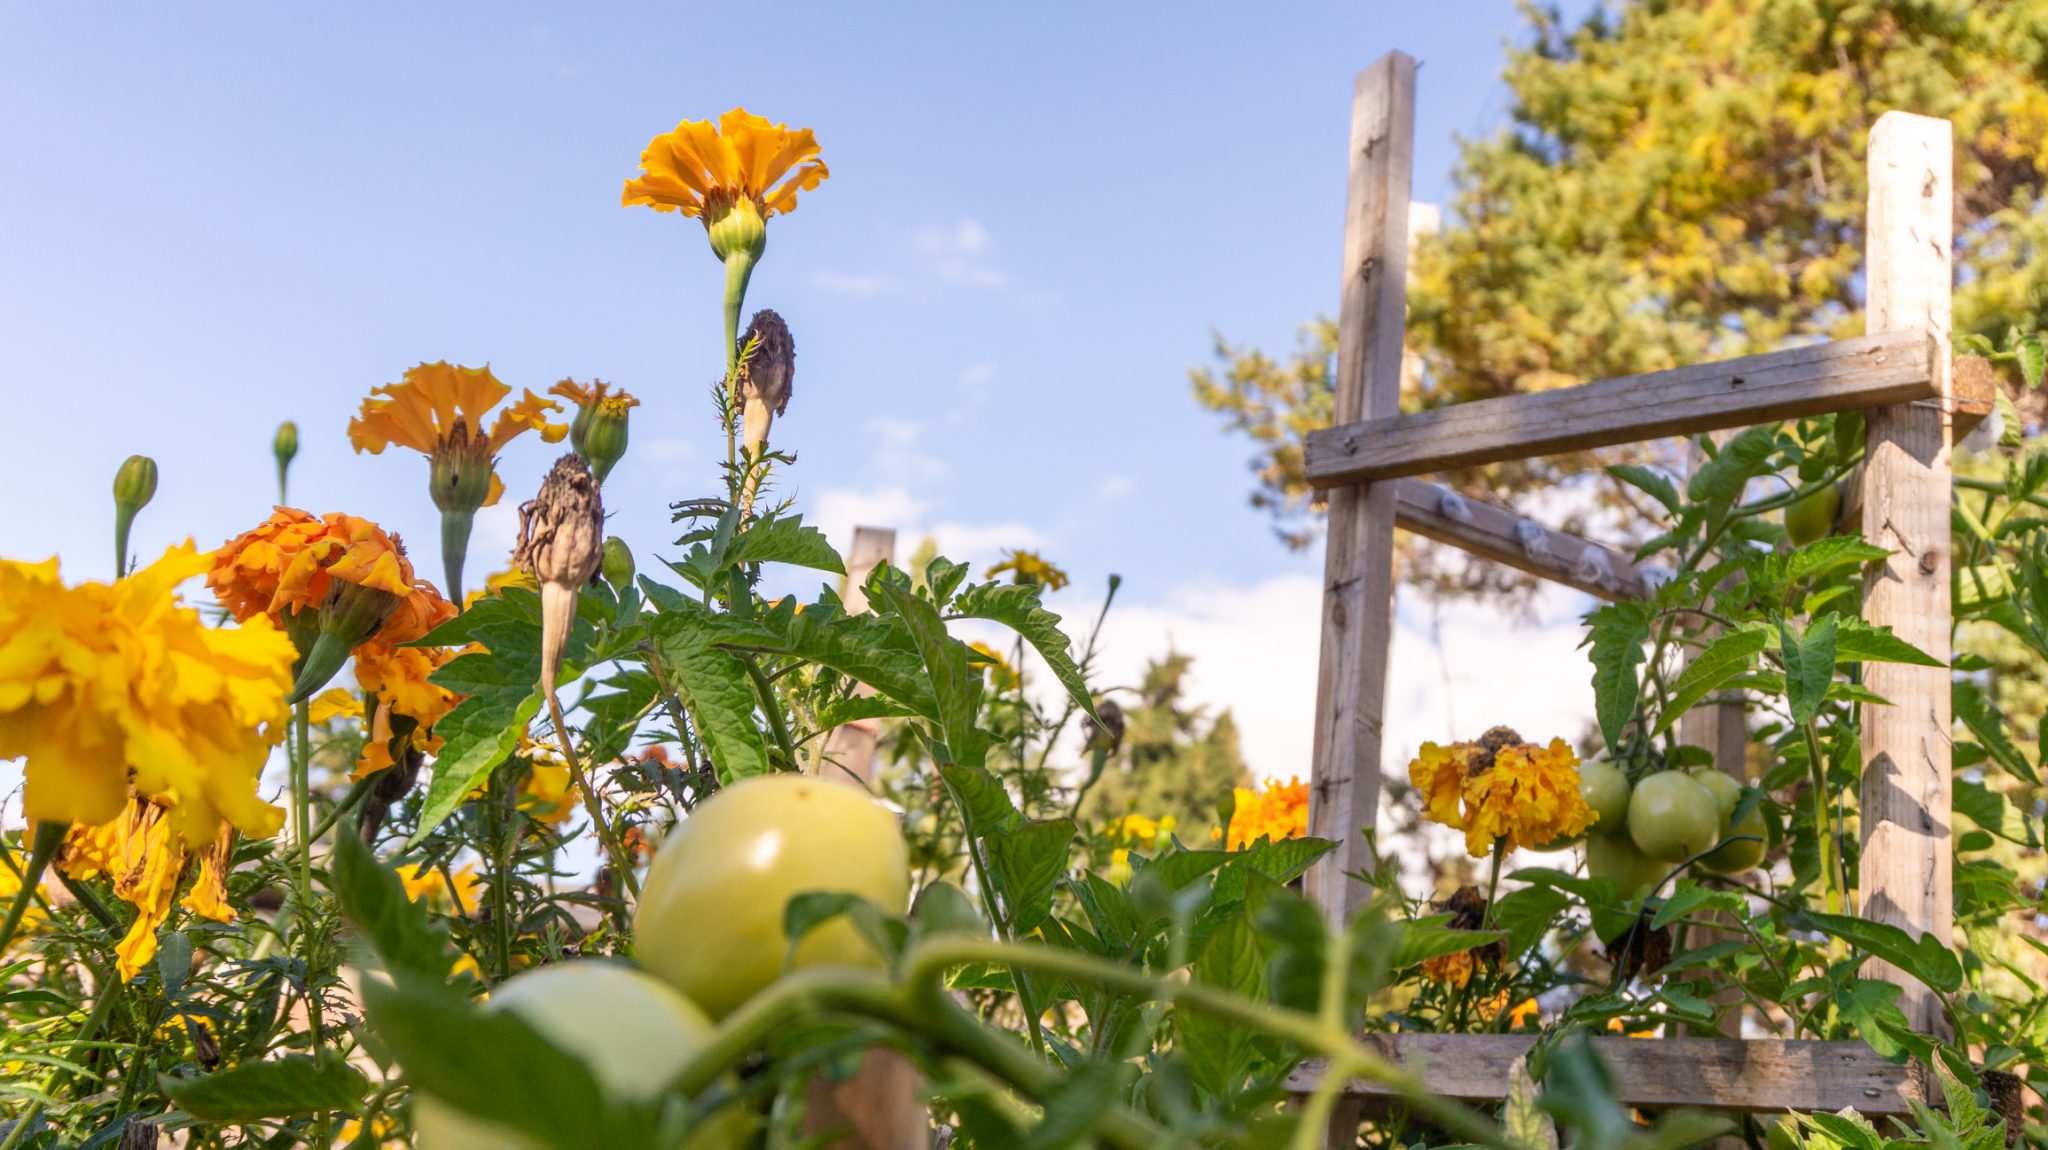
{"x":1899,"y":371}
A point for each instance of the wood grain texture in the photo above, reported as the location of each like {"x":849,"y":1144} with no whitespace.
{"x":850,"y":748}
{"x":1358,"y":576}
{"x":1505,"y":537}
{"x":1905,"y":876}
{"x":1726,"y":1074}
{"x":1886,"y":367}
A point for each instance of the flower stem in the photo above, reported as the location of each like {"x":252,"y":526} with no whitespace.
{"x":49,"y":836}
{"x":124,"y":518}
{"x":302,"y":823}
{"x":739,"y":268}
{"x":613,"y":849}
{"x":455,"y":526}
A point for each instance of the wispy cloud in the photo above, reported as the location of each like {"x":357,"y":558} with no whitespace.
{"x":958,"y":254}
{"x":855,"y":285}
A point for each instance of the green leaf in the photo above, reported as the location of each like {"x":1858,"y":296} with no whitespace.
{"x":1719,"y":482}
{"x":1830,"y":554}
{"x":478,"y":734}
{"x":1981,"y":716}
{"x":955,"y":681}
{"x":1029,"y":862}
{"x":1528,"y":914}
{"x":809,"y":910}
{"x":1872,"y":1008}
{"x":1616,"y":633}
{"x":1016,"y":606}
{"x":495,"y":1064}
{"x":1809,"y":666}
{"x":1426,"y":938}
{"x":279,"y":1088}
{"x":982,"y":796}
{"x":1988,"y":809}
{"x":1730,"y":654}
{"x":1074,"y":1106}
{"x":1521,"y":1120}
{"x":1282,"y":861}
{"x":854,"y":708}
{"x":943,"y":908}
{"x":716,"y":689}
{"x":173,"y":962}
{"x":784,"y":540}
{"x":1692,"y":898}
{"x":1859,"y":642}
{"x":2033,"y":357}
{"x":874,"y":650}
{"x":1650,"y":482}
{"x":1924,"y":958}
{"x":409,"y":942}
{"x":1221,"y":1053}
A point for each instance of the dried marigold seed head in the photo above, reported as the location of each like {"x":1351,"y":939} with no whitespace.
{"x":561,"y":541}
{"x":1107,"y":735}
{"x":767,"y":369}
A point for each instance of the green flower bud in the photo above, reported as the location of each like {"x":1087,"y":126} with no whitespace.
{"x":285,"y":446}
{"x":602,"y":442}
{"x":736,"y":228}
{"x":135,"y":483}
{"x":618,"y":563}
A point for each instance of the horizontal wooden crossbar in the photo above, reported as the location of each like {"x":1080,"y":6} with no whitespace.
{"x":1727,"y":1074}
{"x":1869,"y":371}
{"x":1501,"y":535}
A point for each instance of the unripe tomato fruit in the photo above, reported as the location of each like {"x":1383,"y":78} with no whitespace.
{"x":1615,"y":858}
{"x":1740,"y":856}
{"x":711,"y":911}
{"x":633,"y":1032}
{"x":1605,"y":789}
{"x":1813,"y":518}
{"x":1672,"y":817}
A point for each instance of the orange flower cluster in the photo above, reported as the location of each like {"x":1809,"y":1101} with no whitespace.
{"x":291,"y":561}
{"x":700,"y":167}
{"x":1501,"y":791}
{"x":439,"y":408}
{"x":1278,"y":812}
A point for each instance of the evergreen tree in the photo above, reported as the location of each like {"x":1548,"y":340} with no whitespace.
{"x":1175,"y":760}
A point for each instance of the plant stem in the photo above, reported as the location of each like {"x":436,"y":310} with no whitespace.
{"x":49,"y":836}
{"x":613,"y":848}
{"x":348,"y":802}
{"x":102,"y":1007}
{"x":455,"y":528}
{"x":1313,"y":1128}
{"x":302,"y":825}
{"x":1824,"y":824}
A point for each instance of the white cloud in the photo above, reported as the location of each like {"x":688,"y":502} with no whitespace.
{"x":1115,"y":485}
{"x":855,"y":284}
{"x":956,"y":254}
{"x":977,"y":373}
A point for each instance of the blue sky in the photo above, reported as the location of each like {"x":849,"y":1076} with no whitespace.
{"x":213,"y":219}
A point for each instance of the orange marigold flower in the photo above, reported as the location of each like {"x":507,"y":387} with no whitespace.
{"x":439,"y":410}
{"x":700,"y":168}
{"x":1439,"y":773}
{"x":1278,"y":812}
{"x":291,"y":561}
{"x":1529,"y":796}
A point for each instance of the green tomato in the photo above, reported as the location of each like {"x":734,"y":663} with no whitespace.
{"x":633,"y":1032}
{"x":1740,"y":856}
{"x":1672,"y":817}
{"x":1615,"y":858}
{"x":710,"y":921}
{"x":1813,"y":518}
{"x":1605,"y":788}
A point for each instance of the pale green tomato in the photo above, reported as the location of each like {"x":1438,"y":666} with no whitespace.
{"x":633,"y":1032}
{"x":1735,"y":857}
{"x":1615,"y":858}
{"x":1605,"y":789}
{"x":711,"y":911}
{"x":1672,"y":817}
{"x":1813,"y":518}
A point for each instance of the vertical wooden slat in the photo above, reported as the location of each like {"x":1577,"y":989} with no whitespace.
{"x":1905,"y":877}
{"x":1358,"y":571}
{"x":850,"y":749}
{"x":1358,"y":578}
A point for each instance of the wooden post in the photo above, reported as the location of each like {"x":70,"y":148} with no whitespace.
{"x":1904,"y":877}
{"x":1358,"y":571}
{"x":850,"y":749}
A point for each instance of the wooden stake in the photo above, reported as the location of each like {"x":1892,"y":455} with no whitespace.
{"x":1907,"y":836}
{"x":1358,"y":578}
{"x":850,"y":749}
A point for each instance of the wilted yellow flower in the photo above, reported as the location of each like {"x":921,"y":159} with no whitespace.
{"x":1278,"y":812}
{"x":1529,"y":796}
{"x":1453,"y":970}
{"x":1502,"y":791}
{"x":701,"y":169}
{"x":334,"y":703}
{"x":139,"y":853}
{"x":101,"y":680}
{"x":1030,"y":569}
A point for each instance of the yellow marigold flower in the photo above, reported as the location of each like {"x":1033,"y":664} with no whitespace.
{"x":1527,"y":1012}
{"x":139,"y":853}
{"x":699,"y":168}
{"x":548,"y":794}
{"x":1278,"y":812}
{"x":101,"y":680}
{"x":1119,"y":871}
{"x":1530,"y":795}
{"x":439,"y":410}
{"x":1001,"y":676}
{"x":334,"y":703}
{"x":1439,"y":773}
{"x":1028,"y":567}
{"x":496,"y":582}
{"x":429,"y":884}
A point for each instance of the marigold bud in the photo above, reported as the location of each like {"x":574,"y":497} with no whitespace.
{"x":135,"y":483}
{"x":736,"y":228}
{"x":285,"y":446}
{"x":618,"y":563}
{"x":561,"y":541}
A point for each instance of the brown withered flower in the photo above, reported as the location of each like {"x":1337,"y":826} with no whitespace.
{"x":561,"y":543}
{"x":767,"y":375}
